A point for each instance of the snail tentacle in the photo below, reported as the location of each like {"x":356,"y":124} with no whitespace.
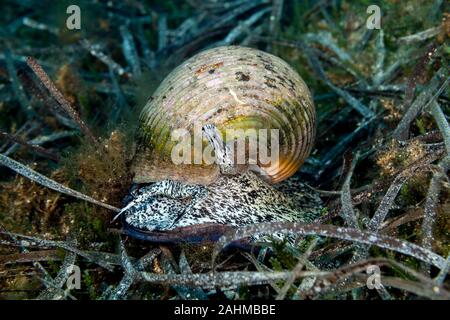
{"x":167,"y":188}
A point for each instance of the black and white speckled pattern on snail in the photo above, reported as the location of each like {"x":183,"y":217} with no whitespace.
{"x":223,"y":88}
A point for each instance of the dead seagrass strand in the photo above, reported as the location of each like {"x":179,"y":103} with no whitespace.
{"x":233,"y":88}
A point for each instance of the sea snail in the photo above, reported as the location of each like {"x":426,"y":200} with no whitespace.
{"x":220,"y":90}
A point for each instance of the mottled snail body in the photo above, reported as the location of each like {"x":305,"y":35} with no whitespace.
{"x":225,"y":88}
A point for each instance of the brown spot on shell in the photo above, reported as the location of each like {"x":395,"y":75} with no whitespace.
{"x":240,"y":76}
{"x":270,"y":82}
{"x":269,"y":67}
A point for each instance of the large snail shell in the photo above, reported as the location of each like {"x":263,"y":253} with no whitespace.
{"x":234,"y":88}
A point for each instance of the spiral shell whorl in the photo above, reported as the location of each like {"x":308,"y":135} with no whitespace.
{"x":233,"y":88}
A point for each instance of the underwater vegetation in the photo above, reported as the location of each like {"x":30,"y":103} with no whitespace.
{"x":70,"y":99}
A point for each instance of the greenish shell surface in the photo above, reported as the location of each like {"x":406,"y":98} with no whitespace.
{"x":233,"y":88}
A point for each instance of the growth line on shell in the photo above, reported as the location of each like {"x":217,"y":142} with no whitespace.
{"x":49,"y":183}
